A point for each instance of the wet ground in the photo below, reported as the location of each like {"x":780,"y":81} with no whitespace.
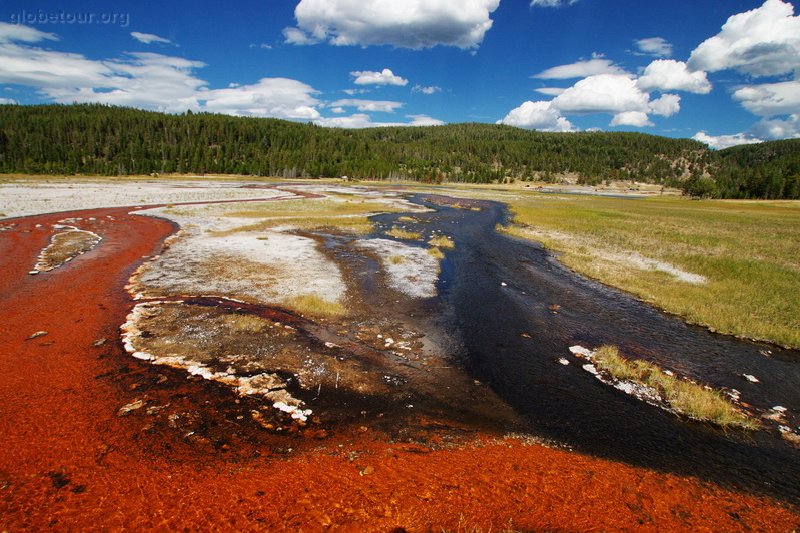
{"x":191,"y":456}
{"x":517,"y":310}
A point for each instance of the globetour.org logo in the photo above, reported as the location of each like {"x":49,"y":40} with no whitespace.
{"x":40,"y":16}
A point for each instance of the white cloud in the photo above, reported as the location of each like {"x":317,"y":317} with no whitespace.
{"x":671,"y":75}
{"x":760,"y":42}
{"x":23,"y":34}
{"x":720,"y":142}
{"x":552,"y":3}
{"x":384,"y":77}
{"x":580,"y":69}
{"x":424,"y":120}
{"x":631,"y":118}
{"x":352,"y":92}
{"x":550,"y":91}
{"x":537,"y":115}
{"x":654,"y":46}
{"x":338,"y":110}
{"x":604,"y":93}
{"x":7,"y":101}
{"x":263,"y":46}
{"x":269,"y":97}
{"x":361,"y":120}
{"x":298,"y":37}
{"x":666,"y":106}
{"x":48,"y":69}
{"x":381,"y":106}
{"x":614,"y":94}
{"x":432,"y":89}
{"x":778,"y":128}
{"x":770,"y":99}
{"x":149,"y":38}
{"x":149,"y":81}
{"x":414,"y":24}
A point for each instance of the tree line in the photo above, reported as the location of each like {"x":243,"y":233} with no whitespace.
{"x":104,"y":140}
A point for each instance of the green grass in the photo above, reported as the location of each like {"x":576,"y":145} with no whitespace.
{"x":442,"y":241}
{"x":687,"y":398}
{"x":400,"y":233}
{"x":396,"y":259}
{"x":746,"y":250}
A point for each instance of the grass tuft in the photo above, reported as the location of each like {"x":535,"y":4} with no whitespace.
{"x":442,"y":241}
{"x":436,"y":253}
{"x":687,"y":398}
{"x":245,"y":323}
{"x":312,"y":305}
{"x":396,"y":259}
{"x":400,"y":233}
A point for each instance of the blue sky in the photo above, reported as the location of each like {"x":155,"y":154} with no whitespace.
{"x":722,"y":72}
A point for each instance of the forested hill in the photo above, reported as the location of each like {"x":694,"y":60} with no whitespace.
{"x":97,"y":139}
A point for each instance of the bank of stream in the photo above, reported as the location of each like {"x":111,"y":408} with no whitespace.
{"x":515,"y":311}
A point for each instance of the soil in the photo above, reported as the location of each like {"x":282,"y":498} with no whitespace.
{"x":95,"y":440}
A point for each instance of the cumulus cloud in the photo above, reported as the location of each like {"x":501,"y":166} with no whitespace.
{"x":7,"y":101}
{"x":760,"y":42}
{"x":384,"y":77}
{"x":654,"y":46}
{"x":23,"y":34}
{"x":788,"y":128}
{"x":665,"y":106}
{"x":537,"y":115}
{"x":631,"y":118}
{"x":414,"y":24}
{"x":149,"y":38}
{"x":432,"y":89}
{"x":614,"y":94}
{"x":720,"y":142}
{"x":770,"y":99}
{"x":580,"y":69}
{"x":552,"y":3}
{"x":603,"y":93}
{"x":382,"y":106}
{"x":269,"y":97}
{"x":362,"y":120}
{"x":671,"y":75}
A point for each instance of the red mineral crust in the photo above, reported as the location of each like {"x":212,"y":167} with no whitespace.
{"x":69,"y":462}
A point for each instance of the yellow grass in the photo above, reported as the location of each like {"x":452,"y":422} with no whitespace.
{"x":746,"y":250}
{"x":311,"y":305}
{"x":442,"y":241}
{"x":346,"y":215}
{"x":687,"y":398}
{"x":400,"y":233}
{"x":245,"y":323}
{"x":436,"y":252}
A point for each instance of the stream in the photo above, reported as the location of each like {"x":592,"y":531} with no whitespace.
{"x":515,"y":311}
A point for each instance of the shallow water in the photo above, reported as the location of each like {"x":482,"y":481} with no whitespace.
{"x":568,"y":404}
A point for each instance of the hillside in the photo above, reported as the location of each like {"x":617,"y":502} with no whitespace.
{"x":96,"y":139}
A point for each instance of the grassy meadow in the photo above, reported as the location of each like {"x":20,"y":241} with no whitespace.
{"x":733,"y":266}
